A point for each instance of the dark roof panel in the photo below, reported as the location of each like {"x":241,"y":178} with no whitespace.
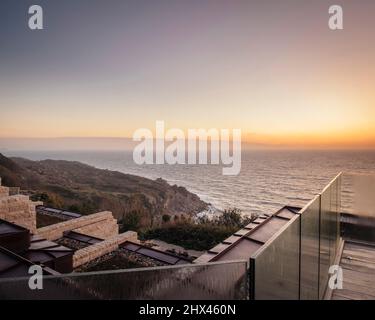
{"x":242,"y":250}
{"x":245,"y":242}
{"x":269,"y":228}
{"x":13,"y":265}
{"x":84,"y":238}
{"x":51,"y":254}
{"x":131,"y":246}
{"x":152,"y":253}
{"x":158,"y":255}
{"x":286,"y":213}
{"x":14,"y":237}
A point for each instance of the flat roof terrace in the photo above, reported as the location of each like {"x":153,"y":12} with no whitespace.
{"x":245,"y":242}
{"x":358,"y":265}
{"x":66,"y":215}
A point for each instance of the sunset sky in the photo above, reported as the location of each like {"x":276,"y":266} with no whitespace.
{"x":271,"y":68}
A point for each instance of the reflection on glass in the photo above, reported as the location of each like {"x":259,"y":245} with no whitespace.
{"x":214,"y":281}
{"x":276,"y":265}
{"x":329,"y":230}
{"x":310,"y":250}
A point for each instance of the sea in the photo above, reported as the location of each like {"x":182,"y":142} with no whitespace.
{"x":268,"y":179}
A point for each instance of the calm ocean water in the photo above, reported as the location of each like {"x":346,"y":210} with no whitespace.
{"x":268,"y":179}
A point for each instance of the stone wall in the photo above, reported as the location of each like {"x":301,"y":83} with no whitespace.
{"x":97,"y":250}
{"x":101,"y":225}
{"x":18,"y":209}
{"x":4,"y":191}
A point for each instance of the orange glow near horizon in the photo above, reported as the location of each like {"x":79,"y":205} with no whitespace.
{"x":284,"y":81}
{"x":347,"y":140}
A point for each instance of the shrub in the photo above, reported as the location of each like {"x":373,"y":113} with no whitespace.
{"x":190,"y":235}
{"x":130,"y":221}
{"x":166,"y":218}
{"x":231,"y":217}
{"x":49,"y":199}
{"x":203,"y":234}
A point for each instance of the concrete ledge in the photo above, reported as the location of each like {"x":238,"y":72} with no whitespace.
{"x":97,"y":250}
{"x":102,"y":225}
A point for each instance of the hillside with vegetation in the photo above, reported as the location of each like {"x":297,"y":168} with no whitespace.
{"x":82,"y":188}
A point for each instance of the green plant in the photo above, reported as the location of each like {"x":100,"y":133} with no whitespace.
{"x":190,"y":235}
{"x":166,"y":218}
{"x":130,"y":221}
{"x":231,"y":217}
{"x":49,"y":199}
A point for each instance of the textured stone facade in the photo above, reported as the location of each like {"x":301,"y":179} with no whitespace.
{"x":18,"y":209}
{"x":97,"y":250}
{"x":4,"y":192}
{"x":101,"y":225}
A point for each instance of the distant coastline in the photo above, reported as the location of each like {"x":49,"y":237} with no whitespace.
{"x":268,"y":179}
{"x":81,"y":188}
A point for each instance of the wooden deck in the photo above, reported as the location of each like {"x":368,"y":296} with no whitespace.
{"x":358,"y":264}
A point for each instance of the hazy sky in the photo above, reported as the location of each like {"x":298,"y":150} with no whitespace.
{"x":271,"y":68}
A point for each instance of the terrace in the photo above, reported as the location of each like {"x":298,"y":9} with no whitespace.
{"x":286,"y":255}
{"x":358,"y":263}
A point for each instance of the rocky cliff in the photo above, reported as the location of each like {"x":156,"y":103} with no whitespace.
{"x":79,"y":187}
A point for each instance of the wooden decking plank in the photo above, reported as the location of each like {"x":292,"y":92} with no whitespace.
{"x":356,"y":250}
{"x":337,"y":296}
{"x":353,"y":295}
{"x":359,"y":255}
{"x":351,"y":280}
{"x":358,"y":266}
{"x":359,"y":245}
{"x":358,"y":263}
{"x":352,"y":286}
{"x":361,"y":278}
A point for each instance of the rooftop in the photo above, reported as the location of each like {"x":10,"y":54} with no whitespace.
{"x":245,"y":242}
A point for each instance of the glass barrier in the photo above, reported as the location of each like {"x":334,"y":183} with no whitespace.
{"x":294,"y":263}
{"x":358,"y":207}
{"x":329,"y":230}
{"x":358,"y":194}
{"x":310,"y":217}
{"x":214,"y":281}
{"x":275,"y":267}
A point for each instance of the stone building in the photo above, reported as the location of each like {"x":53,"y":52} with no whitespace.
{"x":19,"y":211}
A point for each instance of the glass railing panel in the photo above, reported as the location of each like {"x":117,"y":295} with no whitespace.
{"x":358,"y":206}
{"x":329,"y":230}
{"x":310,"y":250}
{"x":336,"y":196}
{"x":324,"y":240}
{"x":358,"y":193}
{"x":213,"y":281}
{"x":275,"y":267}
{"x":339,"y":203}
{"x":333,"y":240}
